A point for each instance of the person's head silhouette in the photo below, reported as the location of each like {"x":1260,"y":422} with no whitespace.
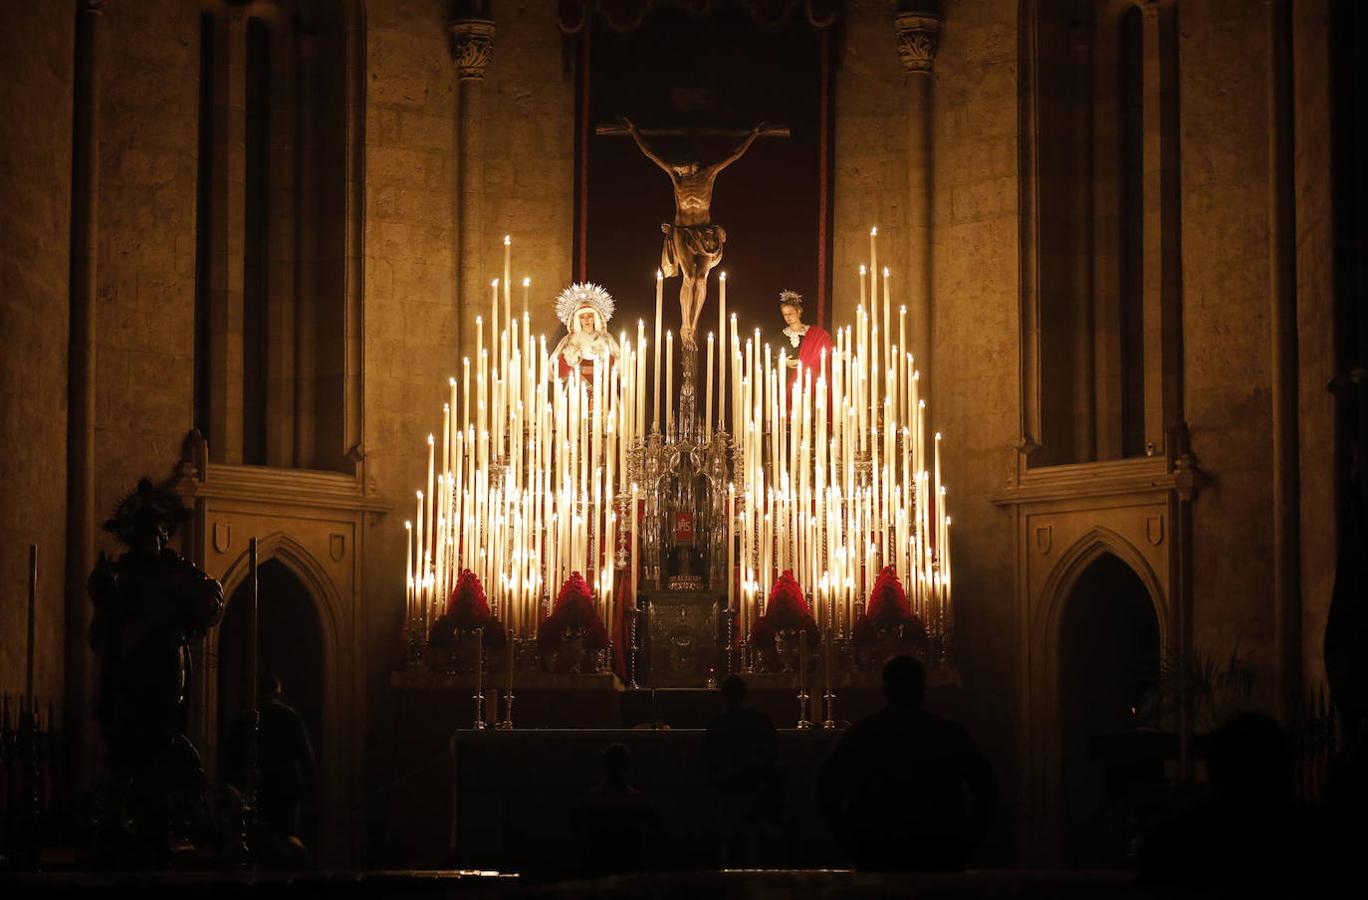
{"x":733,"y":691}
{"x":904,"y":682}
{"x":615,"y":760}
{"x":1249,"y":764}
{"x":270,"y":687}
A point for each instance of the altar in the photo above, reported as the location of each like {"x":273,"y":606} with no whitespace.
{"x":448,"y":775}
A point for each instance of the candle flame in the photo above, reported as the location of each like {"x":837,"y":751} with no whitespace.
{"x":885,"y":271}
{"x":494,"y":283}
{"x":408,"y":525}
{"x":527,"y":282}
{"x":873,"y":231}
{"x":507,"y":240}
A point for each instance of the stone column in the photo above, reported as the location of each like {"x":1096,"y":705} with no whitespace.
{"x":1161,"y":228}
{"x":81,"y":522}
{"x":1282,"y":285}
{"x":918,"y":36}
{"x":472,"y":49}
{"x":228,"y":198}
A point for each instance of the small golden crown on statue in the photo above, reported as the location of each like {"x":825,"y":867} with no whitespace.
{"x":586,"y":294}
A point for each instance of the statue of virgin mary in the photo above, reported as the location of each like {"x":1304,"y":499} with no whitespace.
{"x":585,"y":309}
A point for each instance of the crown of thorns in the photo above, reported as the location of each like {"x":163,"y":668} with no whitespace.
{"x":791,"y":298}
{"x":586,"y":294}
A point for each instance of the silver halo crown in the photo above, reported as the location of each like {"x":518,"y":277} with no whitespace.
{"x":792,"y":298}
{"x":586,"y":294}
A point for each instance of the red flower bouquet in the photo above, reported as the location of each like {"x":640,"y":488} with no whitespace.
{"x":888,"y":625}
{"x":468,"y":609}
{"x":888,"y":600}
{"x":786,"y":610}
{"x":574,"y":611}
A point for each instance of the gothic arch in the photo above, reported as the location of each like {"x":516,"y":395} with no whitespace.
{"x":294,"y":556}
{"x":1060,"y":583}
{"x":337,"y":661}
{"x":1041,"y":698}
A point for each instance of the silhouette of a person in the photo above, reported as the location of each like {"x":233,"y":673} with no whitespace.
{"x":740,"y":754}
{"x":1248,"y":831}
{"x":286,"y":770}
{"x":617,"y":827}
{"x":907,"y":790}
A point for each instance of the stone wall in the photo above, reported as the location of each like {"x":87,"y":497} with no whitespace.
{"x":145,"y":270}
{"x":1223,"y":85}
{"x":975,"y":301}
{"x":410,"y":299}
{"x":1315,"y":324}
{"x":36,"y":52}
{"x":870,"y":102}
{"x":529,"y":135}
{"x":412,"y":311}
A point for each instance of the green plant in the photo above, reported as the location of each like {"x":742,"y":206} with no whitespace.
{"x":1211,"y":687}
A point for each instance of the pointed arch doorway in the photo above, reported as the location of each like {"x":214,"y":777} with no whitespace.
{"x":1109,"y":646}
{"x":290,"y":646}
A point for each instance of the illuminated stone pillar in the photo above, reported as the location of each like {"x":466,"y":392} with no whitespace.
{"x":472,"y":48}
{"x":918,"y":37}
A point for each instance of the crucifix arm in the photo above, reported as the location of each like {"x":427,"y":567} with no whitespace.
{"x":740,"y":148}
{"x":636,"y":136}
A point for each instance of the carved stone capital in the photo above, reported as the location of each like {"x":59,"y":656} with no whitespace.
{"x":472,"y":47}
{"x":918,"y":35}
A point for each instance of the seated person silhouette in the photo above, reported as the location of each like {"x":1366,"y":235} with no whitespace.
{"x":740,"y":760}
{"x":286,"y":771}
{"x":907,"y":790}
{"x":617,"y":827}
{"x":1247,"y":831}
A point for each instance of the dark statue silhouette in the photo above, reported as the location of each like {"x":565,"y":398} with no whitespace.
{"x":150,"y":604}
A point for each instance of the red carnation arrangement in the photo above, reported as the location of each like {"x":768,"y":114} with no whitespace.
{"x":468,"y":609}
{"x":468,"y":606}
{"x":786,"y":610}
{"x":888,"y":600}
{"x":889,"y":608}
{"x":574,"y":608}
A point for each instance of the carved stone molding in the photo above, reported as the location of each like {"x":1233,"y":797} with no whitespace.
{"x":918,"y":36}
{"x":472,"y":47}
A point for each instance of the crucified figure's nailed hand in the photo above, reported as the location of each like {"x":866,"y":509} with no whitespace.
{"x":693,"y":244}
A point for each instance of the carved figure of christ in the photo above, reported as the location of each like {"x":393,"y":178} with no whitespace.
{"x":693,"y":244}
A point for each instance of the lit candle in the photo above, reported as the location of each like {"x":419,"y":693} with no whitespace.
{"x":494,"y":320}
{"x":660,"y":283}
{"x":707,"y":393}
{"x":873,"y":269}
{"x":527,"y":287}
{"x":640,"y":380}
{"x":722,"y":358}
{"x":408,"y":570}
{"x":669,"y":382}
{"x":635,"y":567}
{"x":508,"y":294}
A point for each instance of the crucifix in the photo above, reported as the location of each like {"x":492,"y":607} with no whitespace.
{"x":693,"y":243}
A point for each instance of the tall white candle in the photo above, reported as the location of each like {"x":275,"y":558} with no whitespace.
{"x":660,"y":283}
{"x":669,"y":382}
{"x":707,"y":392}
{"x":722,"y":359}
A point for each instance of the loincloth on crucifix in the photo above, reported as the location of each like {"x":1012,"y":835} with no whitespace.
{"x":688,"y":242}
